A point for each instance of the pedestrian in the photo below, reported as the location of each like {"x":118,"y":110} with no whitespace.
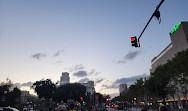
{"x":180,"y":104}
{"x":62,"y":107}
{"x":183,"y":103}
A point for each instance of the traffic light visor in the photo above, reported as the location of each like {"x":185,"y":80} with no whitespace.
{"x":134,"y":41}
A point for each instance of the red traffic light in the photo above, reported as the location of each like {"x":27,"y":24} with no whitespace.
{"x":134,"y":41}
{"x":132,"y":38}
{"x":81,"y":98}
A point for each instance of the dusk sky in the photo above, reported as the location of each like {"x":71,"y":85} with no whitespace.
{"x":90,"y":39}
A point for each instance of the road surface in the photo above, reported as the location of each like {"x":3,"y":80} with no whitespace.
{"x":131,"y":109}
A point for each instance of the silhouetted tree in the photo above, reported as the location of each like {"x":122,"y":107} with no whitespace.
{"x":180,"y":72}
{"x":70,"y":91}
{"x":167,"y":79}
{"x":44,"y":88}
{"x":9,"y":95}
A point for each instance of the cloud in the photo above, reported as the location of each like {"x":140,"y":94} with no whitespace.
{"x":76,"y":68}
{"x":121,"y":61}
{"x":130,"y":79}
{"x":79,"y":67}
{"x":58,"y":53}
{"x":83,"y":80}
{"x":112,"y":86}
{"x":94,"y":72}
{"x":99,"y":81}
{"x":27,"y":84}
{"x":59,"y":62}
{"x":80,"y":73}
{"x":17,"y":85}
{"x":38,"y":56}
{"x":130,"y":56}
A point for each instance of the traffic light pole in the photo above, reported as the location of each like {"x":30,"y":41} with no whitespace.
{"x":149,"y":21}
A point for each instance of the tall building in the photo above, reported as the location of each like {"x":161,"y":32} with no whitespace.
{"x":24,"y":96}
{"x":90,"y":90}
{"x":64,"y":78}
{"x":122,"y":88}
{"x":179,"y":42}
{"x":89,"y":87}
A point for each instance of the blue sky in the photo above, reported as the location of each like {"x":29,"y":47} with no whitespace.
{"x":42,"y":39}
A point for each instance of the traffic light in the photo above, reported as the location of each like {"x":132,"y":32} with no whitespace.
{"x":134,"y":41}
{"x":81,"y":98}
{"x":135,"y":99}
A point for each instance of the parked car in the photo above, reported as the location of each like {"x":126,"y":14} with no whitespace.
{"x":8,"y":109}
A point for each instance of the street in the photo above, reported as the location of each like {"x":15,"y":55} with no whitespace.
{"x":113,"y":109}
{"x":131,"y":109}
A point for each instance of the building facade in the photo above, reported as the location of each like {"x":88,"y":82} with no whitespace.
{"x":89,"y":87}
{"x":122,"y":88}
{"x":64,"y":79}
{"x":25,"y":96}
{"x":179,"y":42}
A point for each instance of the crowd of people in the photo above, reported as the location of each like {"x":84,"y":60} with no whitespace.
{"x":72,"y":107}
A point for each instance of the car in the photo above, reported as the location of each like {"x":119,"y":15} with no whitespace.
{"x":8,"y":109}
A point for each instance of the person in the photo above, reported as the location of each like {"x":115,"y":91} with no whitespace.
{"x":72,"y":107}
{"x":180,"y":104}
{"x":62,"y":107}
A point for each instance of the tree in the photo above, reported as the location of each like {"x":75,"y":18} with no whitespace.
{"x":70,"y":91}
{"x":167,"y":79}
{"x":170,"y":77}
{"x":9,"y":95}
{"x":44,"y":88}
{"x":136,"y":90}
{"x":180,"y":72}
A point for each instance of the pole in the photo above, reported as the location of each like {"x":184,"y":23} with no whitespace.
{"x":158,"y":6}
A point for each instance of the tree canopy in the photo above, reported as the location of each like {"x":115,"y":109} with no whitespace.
{"x":9,"y":95}
{"x":44,"y":88}
{"x":167,"y":79}
{"x":70,"y":91}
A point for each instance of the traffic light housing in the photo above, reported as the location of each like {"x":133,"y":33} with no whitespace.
{"x":134,"y":41}
{"x":81,"y":98}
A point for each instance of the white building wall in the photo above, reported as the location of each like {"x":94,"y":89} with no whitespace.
{"x":64,"y":79}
